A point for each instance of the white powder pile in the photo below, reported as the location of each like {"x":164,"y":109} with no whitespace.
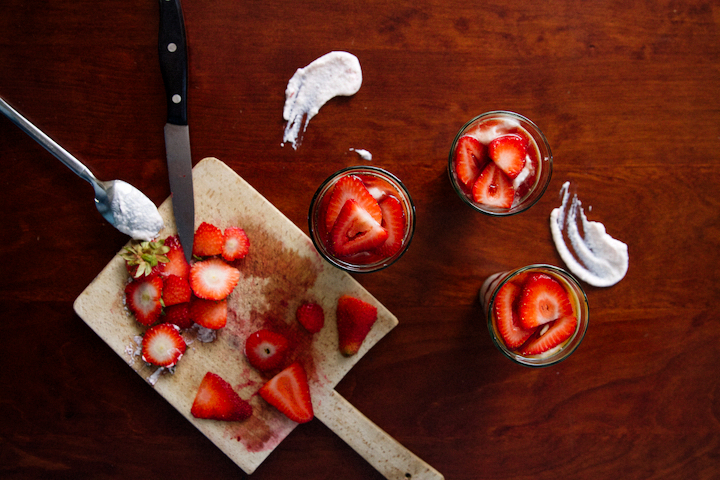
{"x":134,"y":213}
{"x":596,"y":258}
{"x":333,"y":74}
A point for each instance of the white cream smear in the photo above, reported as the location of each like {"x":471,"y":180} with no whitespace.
{"x":364,"y":154}
{"x":332,"y":75}
{"x":134,"y":213}
{"x":596,"y":258}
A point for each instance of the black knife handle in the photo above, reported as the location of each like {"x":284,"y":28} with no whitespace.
{"x":173,"y":60}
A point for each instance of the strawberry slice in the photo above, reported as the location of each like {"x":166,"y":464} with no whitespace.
{"x":550,"y":336}
{"x":176,"y":265}
{"x":311,"y":316}
{"x":508,"y":152}
{"x":142,"y":297}
{"x":235,"y":244}
{"x":213,"y":279}
{"x":179,"y":315}
{"x":347,"y":188}
{"x":470,"y":159}
{"x":394,"y":222}
{"x":493,"y":188}
{"x":208,"y":240}
{"x":513,"y":334}
{"x":163,"y":345}
{"x":266,"y":350}
{"x":542,"y":300}
{"x":175,"y":290}
{"x":209,"y":313}
{"x":216,"y":400}
{"x":355,"y":318}
{"x":288,"y":391}
{"x":356,"y":231}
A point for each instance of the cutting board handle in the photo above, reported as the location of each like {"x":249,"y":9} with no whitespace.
{"x":383,"y":452}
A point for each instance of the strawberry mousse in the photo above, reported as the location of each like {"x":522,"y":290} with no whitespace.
{"x":362,"y":219}
{"x":500,"y":163}
{"x":537,"y":315}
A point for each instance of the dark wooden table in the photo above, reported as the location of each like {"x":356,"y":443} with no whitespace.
{"x":628,"y":94}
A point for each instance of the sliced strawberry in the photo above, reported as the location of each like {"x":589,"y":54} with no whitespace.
{"x":216,"y":400}
{"x":235,"y":244}
{"x":288,"y":391}
{"x":266,"y":350}
{"x":210,"y":314}
{"x":542,"y":300}
{"x":213,"y":279}
{"x":163,"y":345}
{"x":175,"y":290}
{"x":506,"y":317}
{"x":493,"y":188}
{"x":311,"y":316}
{"x":508,"y":152}
{"x":173,"y":242}
{"x":356,"y":231}
{"x":469,"y":160}
{"x":208,"y":240}
{"x":355,"y":318}
{"x":142,"y":297}
{"x":350,"y":188}
{"x":550,"y":335}
{"x":176,"y":265}
{"x":394,"y":222}
{"x":179,"y":315}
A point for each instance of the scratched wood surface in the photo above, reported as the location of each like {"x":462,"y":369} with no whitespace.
{"x":627,"y":94}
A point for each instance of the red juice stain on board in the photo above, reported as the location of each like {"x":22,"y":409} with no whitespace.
{"x":277,"y":277}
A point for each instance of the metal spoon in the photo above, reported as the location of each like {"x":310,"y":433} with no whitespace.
{"x":122,"y":205}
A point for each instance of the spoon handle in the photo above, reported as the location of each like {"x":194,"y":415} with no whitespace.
{"x":50,"y":145}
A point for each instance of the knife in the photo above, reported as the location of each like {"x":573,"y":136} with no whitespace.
{"x":173,"y":65}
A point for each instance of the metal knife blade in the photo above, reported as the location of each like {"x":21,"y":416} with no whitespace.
{"x":172,"y":49}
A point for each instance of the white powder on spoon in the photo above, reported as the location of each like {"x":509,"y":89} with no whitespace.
{"x":596,"y":258}
{"x":333,"y":74}
{"x":134,"y":213}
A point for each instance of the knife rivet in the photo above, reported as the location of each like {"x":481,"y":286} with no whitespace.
{"x":172,"y":47}
{"x":176,"y":98}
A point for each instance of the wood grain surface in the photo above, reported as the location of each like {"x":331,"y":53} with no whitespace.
{"x":627,"y":94}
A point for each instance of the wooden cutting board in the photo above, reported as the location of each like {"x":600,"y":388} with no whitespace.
{"x":282,"y":270}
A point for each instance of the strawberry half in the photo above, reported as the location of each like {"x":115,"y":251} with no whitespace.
{"x":542,"y":300}
{"x":311,"y":316}
{"x":469,"y":160}
{"x":176,"y":265}
{"x":546,"y":338}
{"x":266,"y":350}
{"x":394,"y":222}
{"x":355,"y":231}
{"x":355,"y":318}
{"x":508,"y":152}
{"x":236,"y":244}
{"x":208,"y":240}
{"x":213,"y":279}
{"x":350,"y":188}
{"x":163,"y":345}
{"x":513,"y":334}
{"x":493,"y":188}
{"x":216,"y":400}
{"x":179,"y":315}
{"x":175,"y":290}
{"x":209,"y":313}
{"x":288,"y":391}
{"x":142,"y":297}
